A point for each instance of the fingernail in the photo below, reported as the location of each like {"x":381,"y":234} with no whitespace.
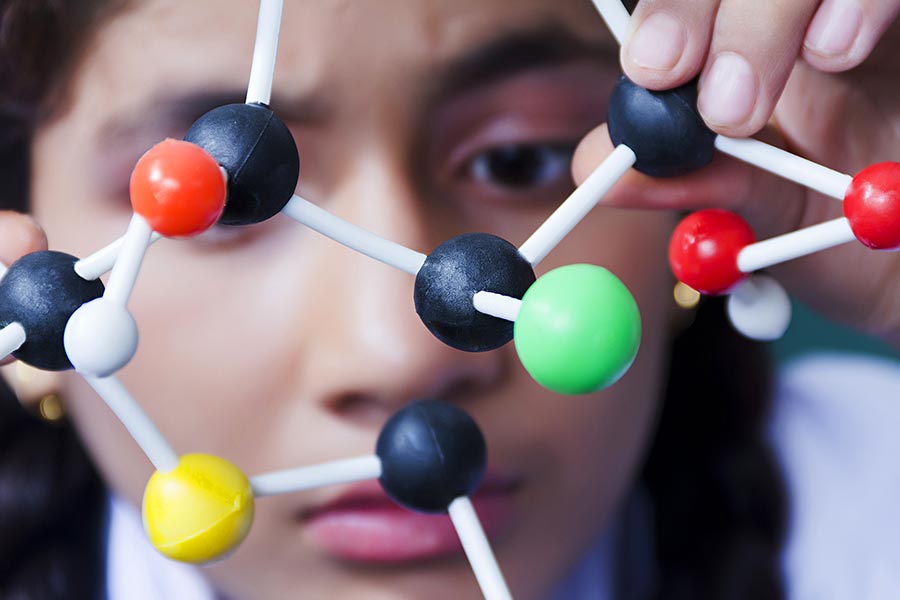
{"x":729,"y":91}
{"x":658,"y":43}
{"x":835,"y":28}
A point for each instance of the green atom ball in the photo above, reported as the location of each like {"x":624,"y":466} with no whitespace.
{"x":578,"y":330}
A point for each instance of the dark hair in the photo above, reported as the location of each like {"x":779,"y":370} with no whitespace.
{"x":717,"y":498}
{"x":52,"y":501}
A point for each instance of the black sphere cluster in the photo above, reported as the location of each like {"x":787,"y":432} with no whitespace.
{"x":259,"y":154}
{"x":452,"y":275}
{"x":40,"y":291}
{"x":664,"y":129}
{"x":431,"y":454}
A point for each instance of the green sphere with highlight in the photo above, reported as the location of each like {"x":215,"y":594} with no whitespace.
{"x":578,"y":330}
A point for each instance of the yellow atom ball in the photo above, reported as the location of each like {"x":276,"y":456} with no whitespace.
{"x":199,"y":511}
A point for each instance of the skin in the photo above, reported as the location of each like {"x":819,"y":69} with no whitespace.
{"x":759,"y":42}
{"x":274,"y":347}
{"x":334,"y":348}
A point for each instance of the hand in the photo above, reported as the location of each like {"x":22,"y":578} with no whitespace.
{"x":744,"y":50}
{"x":19,"y":235}
{"x":846,"y":121}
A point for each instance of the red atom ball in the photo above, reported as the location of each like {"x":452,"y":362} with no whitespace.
{"x":872,"y":205}
{"x":178,"y":188}
{"x":704,"y":248}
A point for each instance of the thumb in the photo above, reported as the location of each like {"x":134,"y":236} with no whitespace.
{"x":19,"y":235}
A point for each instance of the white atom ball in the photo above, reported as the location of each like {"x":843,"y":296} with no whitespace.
{"x":101,"y":337}
{"x":760,"y":309}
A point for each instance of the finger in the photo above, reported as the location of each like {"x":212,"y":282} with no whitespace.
{"x":843,"y":33}
{"x":668,"y":41}
{"x":754,"y":48}
{"x":19,"y":235}
{"x":726,"y":183}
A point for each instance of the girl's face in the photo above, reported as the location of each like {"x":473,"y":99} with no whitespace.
{"x":275,"y":347}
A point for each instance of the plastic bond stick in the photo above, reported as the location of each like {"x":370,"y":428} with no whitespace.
{"x":616,"y":16}
{"x":131,"y":255}
{"x":497,"y":305}
{"x":478,"y":550}
{"x":354,"y":237}
{"x":11,"y":339}
{"x":262,"y":71}
{"x":784,"y":164}
{"x":136,"y":421}
{"x":100,"y":262}
{"x":578,"y":205}
{"x":794,"y":245}
{"x":338,"y":472}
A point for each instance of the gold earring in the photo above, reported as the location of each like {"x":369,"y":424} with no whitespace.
{"x":685,"y":296}
{"x":37,"y":391}
{"x":51,"y":408}
{"x":687,"y":299}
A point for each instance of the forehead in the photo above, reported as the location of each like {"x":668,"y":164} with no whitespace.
{"x":324,"y":43}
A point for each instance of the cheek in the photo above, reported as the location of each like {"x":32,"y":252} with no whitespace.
{"x":584,"y":452}
{"x":610,"y":429}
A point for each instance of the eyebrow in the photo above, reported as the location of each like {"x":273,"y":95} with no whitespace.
{"x":515,"y":52}
{"x":165,"y":114}
{"x":177,"y":111}
{"x":501,"y":58}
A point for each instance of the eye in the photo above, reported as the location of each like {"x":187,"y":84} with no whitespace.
{"x":520,"y":167}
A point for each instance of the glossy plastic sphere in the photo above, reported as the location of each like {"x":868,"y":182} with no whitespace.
{"x":259,"y":153}
{"x":704,"y":248}
{"x":178,"y":188}
{"x":872,"y":205}
{"x":40,"y":291}
{"x":200,"y":511}
{"x":452,"y":275}
{"x":431,"y":454}
{"x":664,"y":129}
{"x":578,"y":330}
{"x":100,"y":338}
{"x":760,"y":309}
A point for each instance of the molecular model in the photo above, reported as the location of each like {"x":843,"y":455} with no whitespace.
{"x":715,"y":251}
{"x":576,"y":329}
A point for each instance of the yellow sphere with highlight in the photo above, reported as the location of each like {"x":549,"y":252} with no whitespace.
{"x":199,"y":511}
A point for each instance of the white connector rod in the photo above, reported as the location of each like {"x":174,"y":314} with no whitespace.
{"x":789,"y":166}
{"x":497,"y":305}
{"x":265,"y":52}
{"x":354,"y":237}
{"x":11,"y":339}
{"x":100,"y":262}
{"x":478,"y":550}
{"x":136,"y":421}
{"x":578,"y":205}
{"x":128,"y":264}
{"x":337,"y":472}
{"x":616,"y":17}
{"x":789,"y":246}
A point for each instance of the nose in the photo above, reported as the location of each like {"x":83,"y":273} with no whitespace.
{"x":372,"y":353}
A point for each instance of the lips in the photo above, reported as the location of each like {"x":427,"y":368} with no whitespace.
{"x":364,"y":525}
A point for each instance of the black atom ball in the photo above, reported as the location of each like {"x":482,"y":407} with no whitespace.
{"x":454,"y":273}
{"x":431,"y":454}
{"x":664,"y":129}
{"x":40,"y":291}
{"x":259,"y":153}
